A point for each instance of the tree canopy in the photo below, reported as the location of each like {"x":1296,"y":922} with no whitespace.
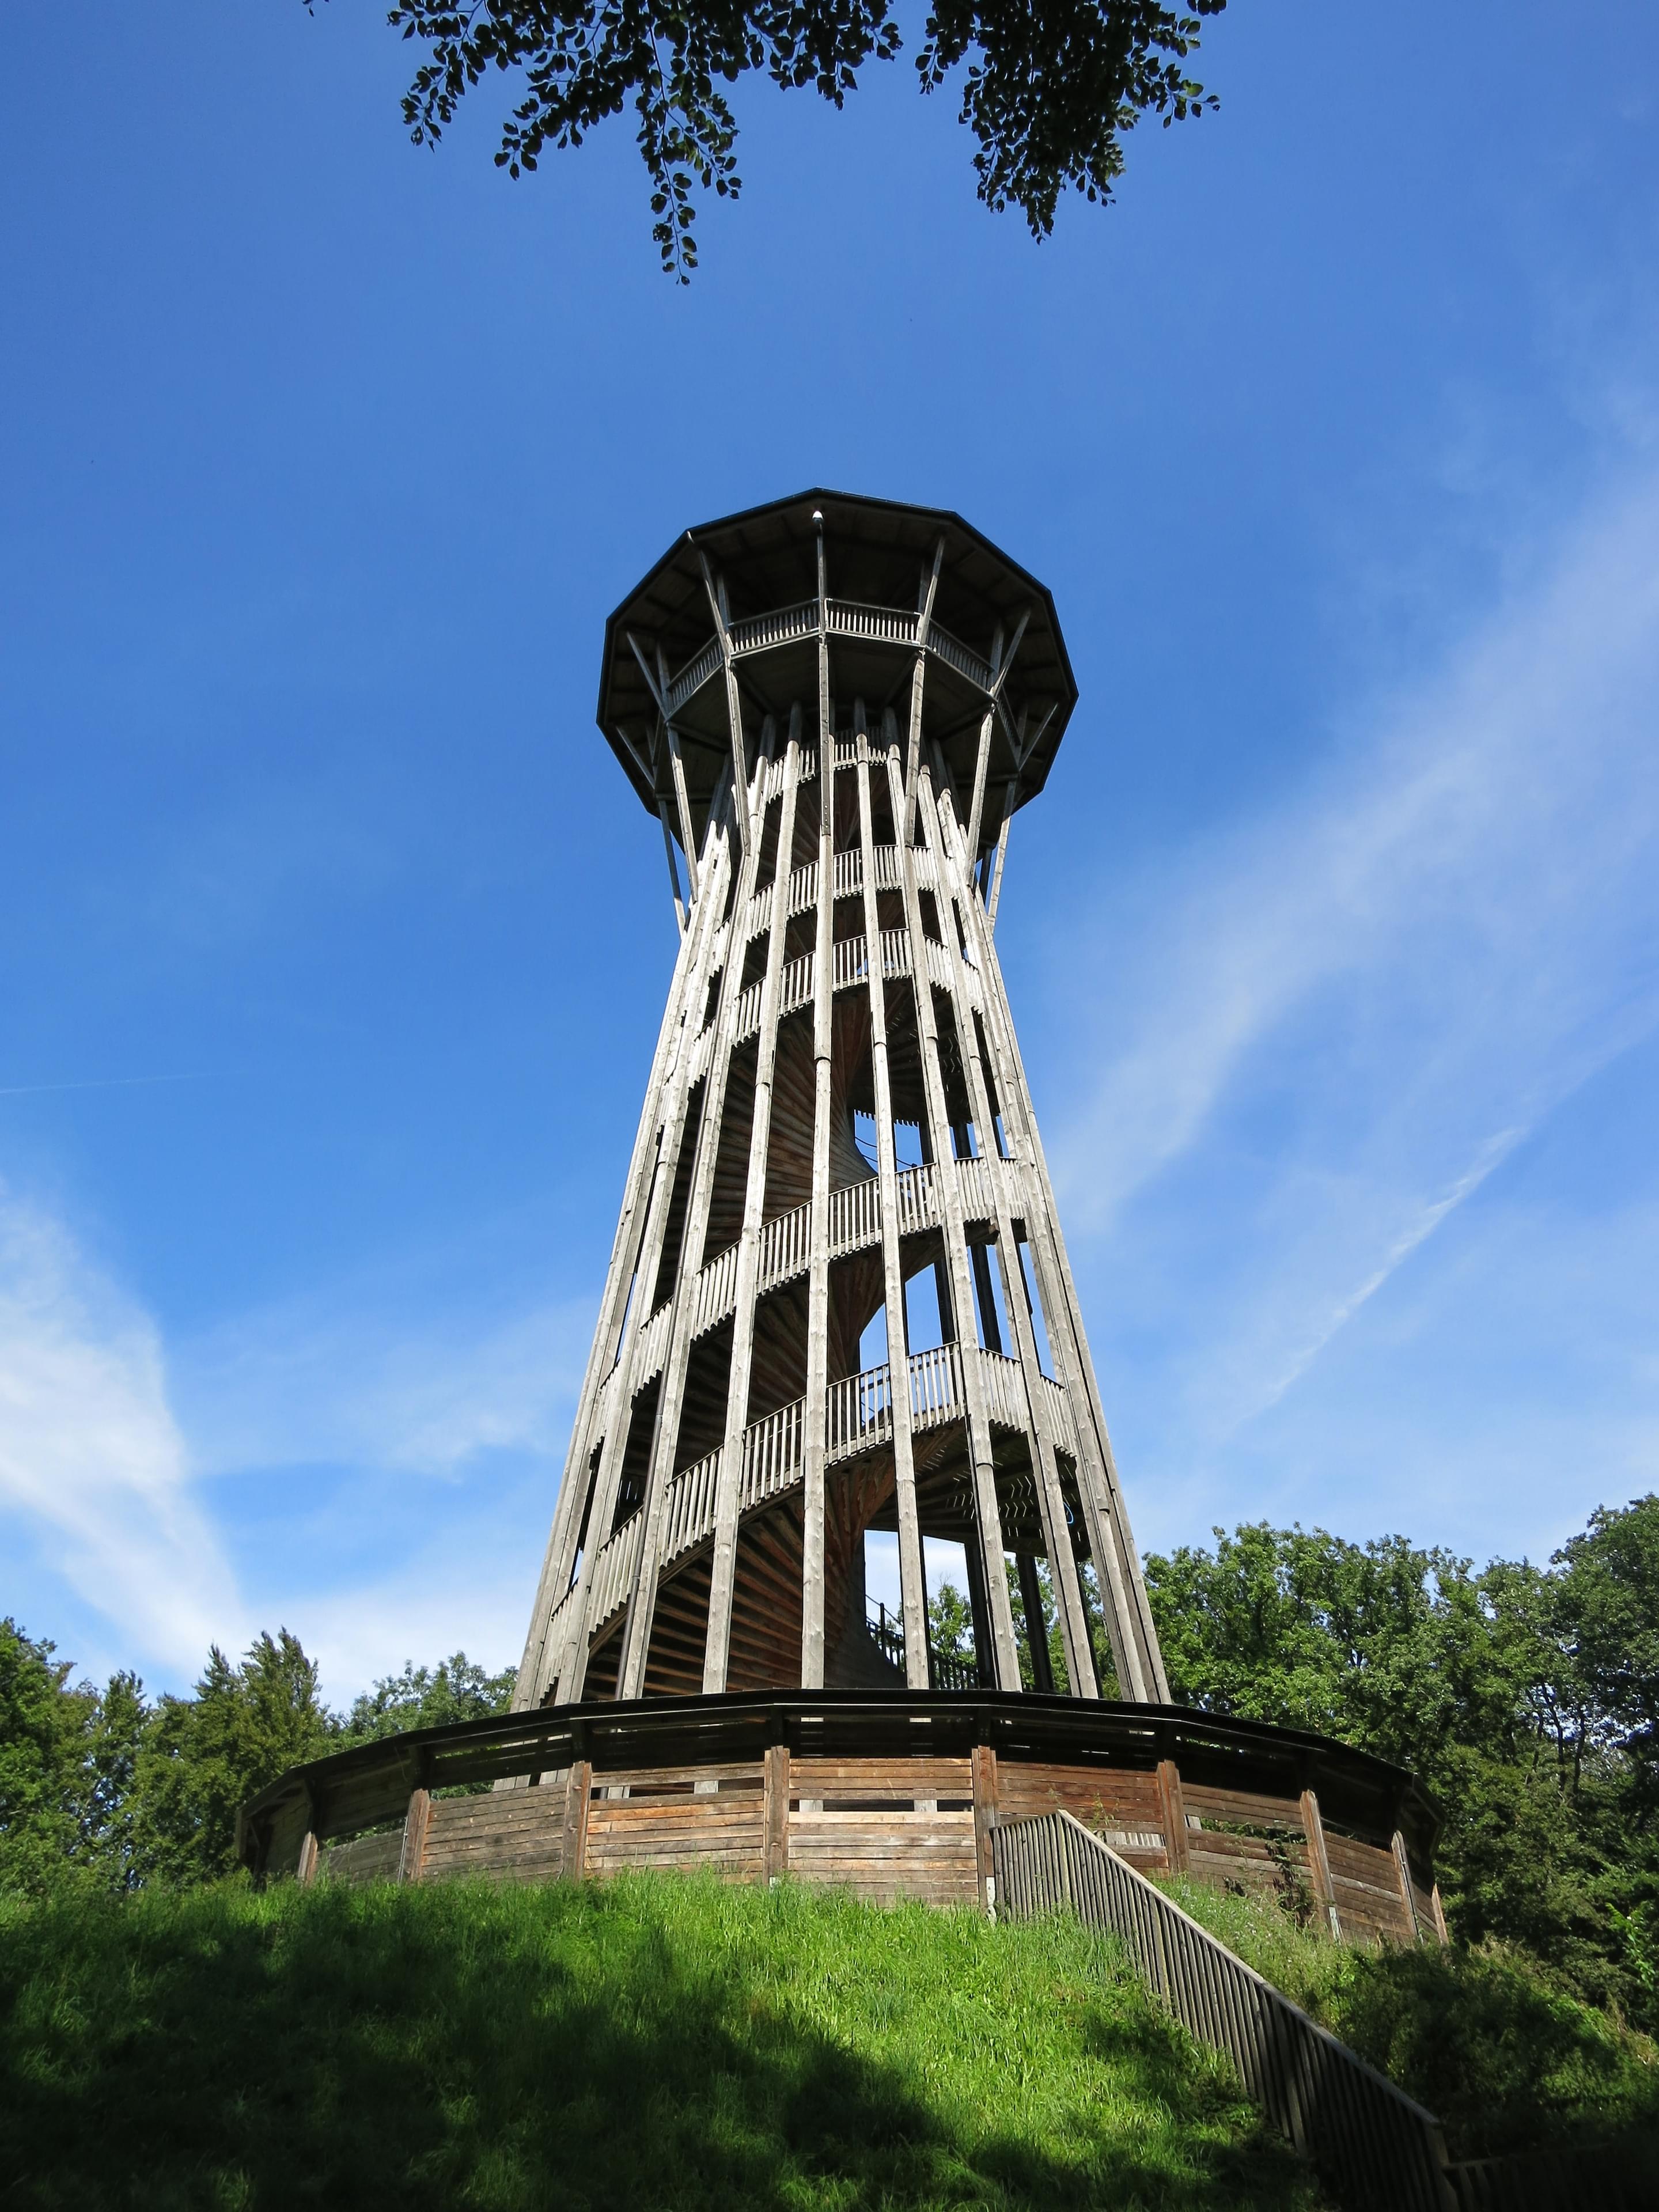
{"x":1048,"y":87}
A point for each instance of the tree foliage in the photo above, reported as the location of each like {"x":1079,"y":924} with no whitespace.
{"x":1048,"y":87}
{"x":1527,"y":1698}
{"x":456,"y":1689}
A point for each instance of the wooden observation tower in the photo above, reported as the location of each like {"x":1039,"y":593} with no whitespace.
{"x":836,"y":707}
{"x":839,"y":1301}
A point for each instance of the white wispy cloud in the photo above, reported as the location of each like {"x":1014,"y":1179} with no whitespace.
{"x":342,"y":1379}
{"x":91,"y":1455}
{"x":165,"y":1484}
{"x":1318,"y":1034}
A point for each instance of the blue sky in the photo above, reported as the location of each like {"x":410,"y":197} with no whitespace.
{"x":333,"y":944}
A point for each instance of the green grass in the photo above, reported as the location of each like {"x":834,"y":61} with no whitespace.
{"x":662,"y":2041}
{"x":1507,"y":2060}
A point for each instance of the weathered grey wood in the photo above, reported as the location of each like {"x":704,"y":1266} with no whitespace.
{"x":631,"y":1590}
{"x":1319,"y":1864}
{"x":673,"y":873}
{"x":818,"y":1289}
{"x":984,"y":1775}
{"x":913,"y":1594}
{"x":416,"y":1822}
{"x":1042,"y":1438}
{"x":571,"y":1664}
{"x":1403,"y":1866}
{"x":775,"y":1861}
{"x":728,"y":1499}
{"x":1173,"y":1805}
{"x":1008,"y":806}
{"x":671,"y":1397}
{"x":578,"y":1787}
{"x":1129,"y":1625}
{"x":539,"y":1667}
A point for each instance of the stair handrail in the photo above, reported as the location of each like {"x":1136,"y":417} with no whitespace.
{"x":1377,"y":2149}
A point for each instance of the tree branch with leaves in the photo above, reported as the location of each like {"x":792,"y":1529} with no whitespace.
{"x":1049,"y":86}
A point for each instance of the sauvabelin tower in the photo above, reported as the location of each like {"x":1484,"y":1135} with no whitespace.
{"x":836,"y":707}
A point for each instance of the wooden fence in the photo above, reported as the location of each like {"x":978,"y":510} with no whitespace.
{"x":1370,"y":2143}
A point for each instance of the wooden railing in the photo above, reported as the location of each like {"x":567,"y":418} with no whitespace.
{"x":846,"y":618}
{"x":692,"y":678}
{"x":786,"y":1247}
{"x":689,"y":1514}
{"x":1004,"y":1390}
{"x":772,"y":1454}
{"x":859,"y":1413}
{"x":855,"y":1216}
{"x":760,"y":631}
{"x":935,"y":1386}
{"x":946,"y":1670}
{"x":958,"y":656}
{"x":1372,"y":2145}
{"x":893,"y":625}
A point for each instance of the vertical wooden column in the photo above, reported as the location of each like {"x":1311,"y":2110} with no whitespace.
{"x":1403,"y":1867}
{"x":1172,"y":1802}
{"x":305,"y":1865}
{"x":1439,"y":1913}
{"x":417,"y":1821}
{"x":815,"y":1420}
{"x":729,"y":1495}
{"x":1040,"y":1437}
{"x":577,"y":1790}
{"x":984,"y":1771}
{"x":538,"y":1665}
{"x":1138,"y":1662}
{"x":987,"y":1514}
{"x":727,"y":947}
{"x":913,"y":1588}
{"x":570,"y":1661}
{"x":1319,"y":1865}
{"x":774,"y":1847}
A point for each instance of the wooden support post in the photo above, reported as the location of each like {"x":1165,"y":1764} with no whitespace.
{"x":417,"y":1821}
{"x":952,"y":1224}
{"x":673,"y":872}
{"x":774,"y":1851}
{"x":816,"y":1417}
{"x":913,"y":1594}
{"x":546,"y":1655}
{"x":1036,"y":1628}
{"x":728,"y":1495}
{"x":983,"y":1766}
{"x":578,"y":1790}
{"x":305,"y":1867}
{"x":1043,"y":1438}
{"x":726,"y":947}
{"x":1439,"y":1913}
{"x":1319,"y":1865}
{"x":1403,"y":1866}
{"x":1138,"y":1662}
{"x":1008,"y":806}
{"x":1173,"y":1803}
{"x":906,"y":815}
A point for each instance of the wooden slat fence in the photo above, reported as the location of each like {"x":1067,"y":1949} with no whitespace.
{"x":1372,"y":2144}
{"x":1612,"y":2177}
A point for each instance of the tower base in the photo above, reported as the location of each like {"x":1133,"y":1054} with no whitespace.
{"x":889,"y":1793}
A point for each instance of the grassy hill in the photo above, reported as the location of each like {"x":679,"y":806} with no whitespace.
{"x":659,"y":2042}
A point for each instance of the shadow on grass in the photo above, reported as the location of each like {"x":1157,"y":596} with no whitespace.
{"x":676,"y":2048}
